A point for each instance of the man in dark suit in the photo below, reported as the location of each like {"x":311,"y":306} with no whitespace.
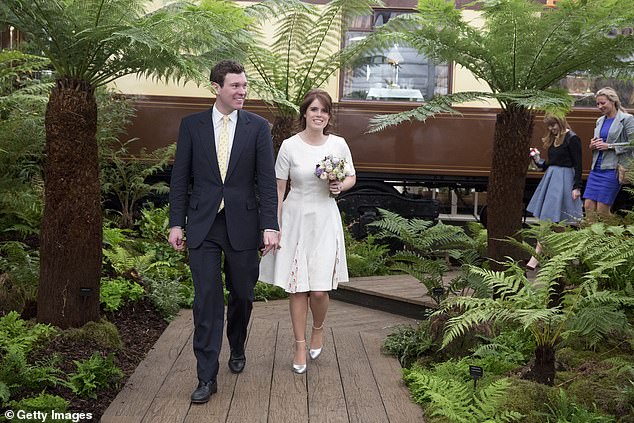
{"x":226,"y":155}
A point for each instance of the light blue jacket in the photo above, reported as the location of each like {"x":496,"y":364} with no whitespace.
{"x":621,"y":131}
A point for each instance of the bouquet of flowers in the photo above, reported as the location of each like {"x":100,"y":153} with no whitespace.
{"x":332,"y":169}
{"x":534,"y":154}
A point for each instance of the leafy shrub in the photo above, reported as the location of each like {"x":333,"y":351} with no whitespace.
{"x":114,"y":292}
{"x":264,"y":292}
{"x":165,"y":296}
{"x":408,"y":344}
{"x":94,"y":374}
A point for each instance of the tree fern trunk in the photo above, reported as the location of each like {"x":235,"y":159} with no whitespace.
{"x":505,"y":206}
{"x":70,"y":236}
{"x":544,"y":369}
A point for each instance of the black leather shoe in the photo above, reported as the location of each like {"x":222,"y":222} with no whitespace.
{"x":237,"y":362}
{"x":204,"y":391}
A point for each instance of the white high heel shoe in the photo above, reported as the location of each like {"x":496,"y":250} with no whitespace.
{"x":316,"y":352}
{"x":300,"y":368}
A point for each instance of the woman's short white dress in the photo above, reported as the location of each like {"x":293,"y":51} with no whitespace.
{"x":312,"y":256}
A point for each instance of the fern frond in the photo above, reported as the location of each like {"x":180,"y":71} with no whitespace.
{"x":439,"y":104}
{"x":456,"y":400}
{"x":593,"y":324}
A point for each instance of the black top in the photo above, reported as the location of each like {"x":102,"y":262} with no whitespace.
{"x":568,"y":154}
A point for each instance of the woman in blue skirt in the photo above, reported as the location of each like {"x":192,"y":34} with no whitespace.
{"x":558,"y":195}
{"x":610,"y":147}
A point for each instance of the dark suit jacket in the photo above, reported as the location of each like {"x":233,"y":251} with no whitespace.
{"x":251,"y":161}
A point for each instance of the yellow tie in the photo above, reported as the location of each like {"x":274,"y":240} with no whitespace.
{"x":223,"y":152}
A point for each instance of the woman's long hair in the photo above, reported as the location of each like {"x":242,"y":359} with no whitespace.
{"x":558,"y":138}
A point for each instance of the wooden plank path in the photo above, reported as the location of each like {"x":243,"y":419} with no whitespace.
{"x":400,"y":294}
{"x":352,"y":381}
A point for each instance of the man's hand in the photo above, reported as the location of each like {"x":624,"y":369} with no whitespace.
{"x":176,"y":238}
{"x":271,"y":240}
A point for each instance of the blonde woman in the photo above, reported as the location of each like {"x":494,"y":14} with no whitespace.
{"x":558,"y":195}
{"x":612,"y":134}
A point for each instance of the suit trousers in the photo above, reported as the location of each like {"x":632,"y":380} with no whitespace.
{"x":241,"y":273}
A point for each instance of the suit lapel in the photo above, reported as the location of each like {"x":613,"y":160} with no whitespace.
{"x":207,"y":138}
{"x":616,"y":127}
{"x":239,"y":141}
{"x":597,"y":128}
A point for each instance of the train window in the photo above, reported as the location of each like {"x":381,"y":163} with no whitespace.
{"x":399,"y":73}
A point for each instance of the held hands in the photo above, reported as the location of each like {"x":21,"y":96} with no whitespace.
{"x":271,"y":240}
{"x":598,"y":144}
{"x":176,"y":238}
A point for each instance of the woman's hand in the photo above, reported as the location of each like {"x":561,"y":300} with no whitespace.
{"x":576,"y":193}
{"x":335,"y":187}
{"x":598,"y":144}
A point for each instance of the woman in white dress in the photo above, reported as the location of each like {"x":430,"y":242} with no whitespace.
{"x":312,"y":259}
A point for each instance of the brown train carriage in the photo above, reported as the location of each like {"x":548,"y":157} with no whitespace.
{"x":448,"y":152}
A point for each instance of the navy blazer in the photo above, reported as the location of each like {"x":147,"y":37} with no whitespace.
{"x":250,"y":171}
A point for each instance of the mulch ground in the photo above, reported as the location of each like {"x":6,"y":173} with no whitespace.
{"x":139,"y":326}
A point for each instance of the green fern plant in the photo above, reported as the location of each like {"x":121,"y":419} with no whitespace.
{"x":427,"y":247}
{"x":42,"y":402}
{"x":19,"y":275}
{"x":16,"y":332}
{"x":126,"y":260}
{"x":303,"y":54}
{"x":22,"y":103}
{"x":565,"y":409}
{"x":93,"y":374}
{"x":526,"y":303}
{"x":115,"y":292}
{"x":365,"y":257}
{"x":126,"y":177}
{"x":458,"y":401}
{"x":154,"y":223}
{"x":17,"y":373}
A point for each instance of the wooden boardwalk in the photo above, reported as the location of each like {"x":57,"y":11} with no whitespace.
{"x":352,"y":381}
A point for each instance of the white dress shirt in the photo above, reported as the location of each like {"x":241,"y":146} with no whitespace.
{"x":217,"y":121}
